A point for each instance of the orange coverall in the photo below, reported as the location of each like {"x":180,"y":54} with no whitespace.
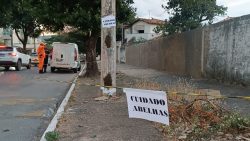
{"x":41,"y":56}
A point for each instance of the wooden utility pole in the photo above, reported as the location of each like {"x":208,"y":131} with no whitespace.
{"x":108,"y":46}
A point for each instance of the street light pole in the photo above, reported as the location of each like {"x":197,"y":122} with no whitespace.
{"x":11,"y":35}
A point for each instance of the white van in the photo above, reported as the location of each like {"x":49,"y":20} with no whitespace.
{"x":65,"y":56}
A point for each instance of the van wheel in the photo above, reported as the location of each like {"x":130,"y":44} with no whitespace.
{"x":75,"y":70}
{"x":19,"y":65}
{"x":52,"y":69}
{"x":79,"y":68}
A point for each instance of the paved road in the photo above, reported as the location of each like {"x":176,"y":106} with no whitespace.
{"x":28,"y":101}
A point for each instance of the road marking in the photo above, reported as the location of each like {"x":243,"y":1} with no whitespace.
{"x":26,"y":101}
{"x":32,"y":114}
{"x":1,"y":73}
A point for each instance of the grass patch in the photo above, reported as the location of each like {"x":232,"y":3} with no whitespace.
{"x":52,"y":136}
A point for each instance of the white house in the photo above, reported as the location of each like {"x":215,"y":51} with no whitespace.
{"x":142,"y":29}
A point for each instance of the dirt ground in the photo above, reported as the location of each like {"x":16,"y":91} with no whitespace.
{"x":86,"y":119}
{"x":226,"y":89}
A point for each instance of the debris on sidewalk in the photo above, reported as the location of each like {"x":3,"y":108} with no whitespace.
{"x":192,"y":117}
{"x":102,"y":98}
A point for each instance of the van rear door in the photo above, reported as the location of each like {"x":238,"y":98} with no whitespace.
{"x":63,"y":55}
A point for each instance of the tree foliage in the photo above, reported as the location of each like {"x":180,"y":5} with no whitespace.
{"x":72,"y":37}
{"x":28,"y":16}
{"x":125,"y":15}
{"x":85,"y":16}
{"x":21,"y":15}
{"x":190,"y":14}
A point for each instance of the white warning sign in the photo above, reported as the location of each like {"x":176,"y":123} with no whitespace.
{"x":108,"y":21}
{"x":149,"y":105}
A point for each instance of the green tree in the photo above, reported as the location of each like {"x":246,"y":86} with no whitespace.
{"x":21,"y":16}
{"x":72,"y":37}
{"x":85,"y":16}
{"x":190,"y":14}
{"x":125,"y":15}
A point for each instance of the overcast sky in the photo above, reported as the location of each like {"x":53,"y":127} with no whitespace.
{"x":153,"y":9}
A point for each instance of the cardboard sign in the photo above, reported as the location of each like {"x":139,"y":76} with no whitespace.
{"x":147,"y":104}
{"x":108,"y":21}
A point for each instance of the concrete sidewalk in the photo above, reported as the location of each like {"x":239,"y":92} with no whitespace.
{"x":86,"y":119}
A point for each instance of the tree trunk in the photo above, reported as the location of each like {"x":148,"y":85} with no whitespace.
{"x":24,"y":45}
{"x":24,"y":40}
{"x":92,"y":69}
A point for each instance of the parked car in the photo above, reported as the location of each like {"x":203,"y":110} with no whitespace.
{"x":14,"y":57}
{"x":34,"y":58}
{"x":65,"y":56}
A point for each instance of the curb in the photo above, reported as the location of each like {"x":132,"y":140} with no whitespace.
{"x":60,"y":110}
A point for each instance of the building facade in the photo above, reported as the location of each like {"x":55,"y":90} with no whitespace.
{"x":32,"y":44}
{"x":142,"y":29}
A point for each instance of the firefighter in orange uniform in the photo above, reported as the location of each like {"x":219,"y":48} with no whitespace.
{"x":41,"y":56}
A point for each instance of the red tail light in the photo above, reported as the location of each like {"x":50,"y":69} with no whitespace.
{"x":51,"y":54}
{"x":12,"y":54}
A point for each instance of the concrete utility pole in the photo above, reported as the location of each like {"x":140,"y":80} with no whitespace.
{"x":108,"y":48}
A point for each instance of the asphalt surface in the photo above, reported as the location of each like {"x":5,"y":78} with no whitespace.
{"x":28,"y":101}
